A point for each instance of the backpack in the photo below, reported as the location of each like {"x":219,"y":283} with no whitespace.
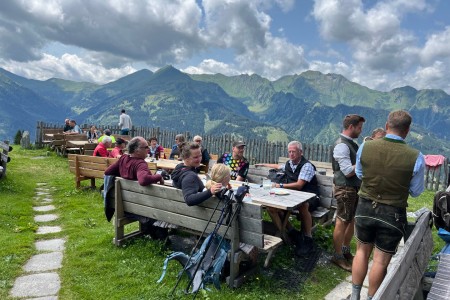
{"x":277,"y":176}
{"x":441,"y":210}
{"x":210,"y":268}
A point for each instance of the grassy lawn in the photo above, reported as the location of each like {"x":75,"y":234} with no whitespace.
{"x":93,"y":268}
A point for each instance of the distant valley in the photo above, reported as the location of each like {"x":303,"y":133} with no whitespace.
{"x":308,"y":107}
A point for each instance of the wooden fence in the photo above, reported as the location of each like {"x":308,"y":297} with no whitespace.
{"x":257,"y":150}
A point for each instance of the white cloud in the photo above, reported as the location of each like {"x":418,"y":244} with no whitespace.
{"x":211,"y":66}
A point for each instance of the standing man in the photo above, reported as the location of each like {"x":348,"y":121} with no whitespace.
{"x":236,"y":161}
{"x":301,"y":176}
{"x":390,"y":171}
{"x":346,"y":186}
{"x":124,"y":123}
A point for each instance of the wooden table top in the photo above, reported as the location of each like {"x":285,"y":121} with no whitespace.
{"x":76,"y":143}
{"x":285,"y":199}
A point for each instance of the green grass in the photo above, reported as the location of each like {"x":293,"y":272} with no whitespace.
{"x":93,"y":268}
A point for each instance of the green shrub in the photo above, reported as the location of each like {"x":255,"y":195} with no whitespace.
{"x":18,"y":137}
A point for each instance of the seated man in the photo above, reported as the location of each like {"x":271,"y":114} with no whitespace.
{"x":106,"y":133}
{"x":102,"y":148}
{"x":176,"y":151}
{"x":300,"y":174}
{"x":75,"y":128}
{"x":132,"y":166}
{"x":118,"y":149}
{"x":67,"y":127}
{"x":236,"y":161}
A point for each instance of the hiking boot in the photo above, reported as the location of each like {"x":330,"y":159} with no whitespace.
{"x":348,"y":256}
{"x":342,"y":263}
{"x":295,"y":236}
{"x":305,"y":247}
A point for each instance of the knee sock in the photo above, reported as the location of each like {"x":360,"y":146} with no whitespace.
{"x":356,"y":291}
{"x":345,"y":249}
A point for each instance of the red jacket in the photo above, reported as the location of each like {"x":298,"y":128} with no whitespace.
{"x":101,"y":150}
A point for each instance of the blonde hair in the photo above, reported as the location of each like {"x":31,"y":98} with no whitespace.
{"x":218,"y":173}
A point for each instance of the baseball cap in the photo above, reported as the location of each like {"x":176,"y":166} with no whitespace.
{"x":238,"y":143}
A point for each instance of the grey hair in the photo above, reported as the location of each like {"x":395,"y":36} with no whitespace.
{"x":133,"y":145}
{"x":297,"y":144}
{"x":107,"y":139}
{"x":197,"y":137}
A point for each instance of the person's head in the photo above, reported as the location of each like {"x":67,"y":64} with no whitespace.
{"x":295,"y":151}
{"x":198,"y":139}
{"x":138,"y":147}
{"x":93,"y":128}
{"x":67,"y":121}
{"x":179,"y":138}
{"x":122,"y":111}
{"x":107,"y":132}
{"x":153,"y":142}
{"x":72,"y":123}
{"x":121,"y":143}
{"x":378,"y":133}
{"x":238,"y":149}
{"x":353,"y":125}
{"x":220,"y":173}
{"x":191,"y":154}
{"x":398,"y":123}
{"x":107,"y":141}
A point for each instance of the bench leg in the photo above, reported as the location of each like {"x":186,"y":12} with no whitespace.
{"x":93,"y":183}
{"x":119,"y":231}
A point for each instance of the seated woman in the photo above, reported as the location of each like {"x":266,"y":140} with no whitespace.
{"x":185,"y":176}
{"x":176,"y":151}
{"x":155,"y":149}
{"x":93,"y":133}
{"x":117,"y":152}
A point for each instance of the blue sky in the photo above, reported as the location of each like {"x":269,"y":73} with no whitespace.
{"x":379,"y":44}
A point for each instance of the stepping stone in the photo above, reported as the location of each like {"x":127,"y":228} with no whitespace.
{"x":44,"y":262}
{"x":47,"y":200}
{"x":36,"y":285}
{"x":48,"y":229}
{"x":42,"y":193}
{"x":45,"y":218}
{"x":42,"y":189}
{"x":44,"y":298}
{"x":41,"y":183}
{"x":50,"y":245}
{"x":44,"y":208}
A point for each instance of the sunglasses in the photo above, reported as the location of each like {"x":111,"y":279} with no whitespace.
{"x":146,"y":147}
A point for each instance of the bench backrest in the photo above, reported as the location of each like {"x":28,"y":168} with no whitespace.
{"x":124,"y":137}
{"x":167,"y":204}
{"x":51,"y":130}
{"x":76,"y":137}
{"x":89,"y":166}
{"x":320,"y":165}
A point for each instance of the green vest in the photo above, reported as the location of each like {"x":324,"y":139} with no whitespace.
{"x":387,"y":168}
{"x":339,"y":177}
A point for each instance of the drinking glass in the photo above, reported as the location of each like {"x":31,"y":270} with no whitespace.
{"x":267,"y":185}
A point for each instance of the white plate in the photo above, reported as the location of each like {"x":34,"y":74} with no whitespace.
{"x":281,"y":192}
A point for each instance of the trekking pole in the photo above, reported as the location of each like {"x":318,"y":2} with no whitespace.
{"x":195,"y":247}
{"x":225,"y":212}
{"x":239,"y":197}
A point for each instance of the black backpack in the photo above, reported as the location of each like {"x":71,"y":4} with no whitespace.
{"x":277,"y":176}
{"x":441,"y":210}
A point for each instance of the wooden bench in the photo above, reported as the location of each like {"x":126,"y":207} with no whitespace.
{"x":124,"y":137}
{"x":4,"y":157}
{"x":59,"y":143}
{"x":166,"y":204}
{"x":405,"y":272}
{"x":48,"y":135}
{"x":87,"y":167}
{"x":74,"y":143}
{"x":89,"y":148}
{"x":327,"y":206}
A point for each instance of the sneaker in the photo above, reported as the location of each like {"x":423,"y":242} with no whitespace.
{"x":349,"y":257}
{"x":342,"y":263}
{"x":305,"y":247}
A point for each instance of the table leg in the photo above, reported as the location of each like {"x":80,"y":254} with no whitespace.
{"x":280,"y":224}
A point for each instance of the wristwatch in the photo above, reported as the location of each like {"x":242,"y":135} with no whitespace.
{"x":281,"y":185}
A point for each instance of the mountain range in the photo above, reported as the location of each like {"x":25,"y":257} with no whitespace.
{"x":308,"y":107}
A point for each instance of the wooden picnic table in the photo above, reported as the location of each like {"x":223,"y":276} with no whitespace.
{"x":283,"y":199}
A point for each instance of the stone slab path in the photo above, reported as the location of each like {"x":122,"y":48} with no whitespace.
{"x":40,"y":280}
